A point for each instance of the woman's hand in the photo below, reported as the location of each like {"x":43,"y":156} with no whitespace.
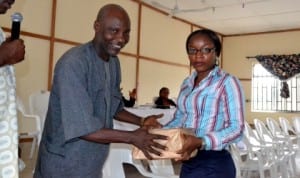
{"x":151,"y":122}
{"x":132,"y":94}
{"x":191,"y":143}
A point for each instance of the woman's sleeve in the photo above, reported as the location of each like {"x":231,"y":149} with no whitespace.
{"x":233,"y":109}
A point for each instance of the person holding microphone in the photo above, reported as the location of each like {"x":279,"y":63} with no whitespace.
{"x":12,"y":51}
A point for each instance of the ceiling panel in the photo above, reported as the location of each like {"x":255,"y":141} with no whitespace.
{"x":230,"y":17}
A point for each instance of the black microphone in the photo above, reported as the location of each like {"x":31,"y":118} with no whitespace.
{"x":16,"y":19}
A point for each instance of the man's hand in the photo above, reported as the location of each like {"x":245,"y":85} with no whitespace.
{"x":146,"y":142}
{"x":12,"y":52}
{"x":152,"y":121}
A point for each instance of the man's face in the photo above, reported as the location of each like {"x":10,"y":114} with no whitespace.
{"x":112,"y":33}
{"x":5,"y":5}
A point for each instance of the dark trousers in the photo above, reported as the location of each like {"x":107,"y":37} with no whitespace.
{"x":209,"y":164}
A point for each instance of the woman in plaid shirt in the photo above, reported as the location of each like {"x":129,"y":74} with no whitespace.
{"x":211,"y":102}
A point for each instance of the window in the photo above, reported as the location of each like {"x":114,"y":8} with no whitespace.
{"x":266,"y":92}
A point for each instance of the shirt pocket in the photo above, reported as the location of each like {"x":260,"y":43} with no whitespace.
{"x":210,"y":105}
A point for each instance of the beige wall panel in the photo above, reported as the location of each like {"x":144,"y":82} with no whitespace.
{"x":246,"y":85}
{"x":163,"y":37}
{"x":153,"y":76}
{"x":128,"y":69}
{"x":32,"y":73}
{"x":235,"y":49}
{"x":196,"y":28}
{"x":75,"y":19}
{"x":36,"y":14}
{"x":274,"y":115}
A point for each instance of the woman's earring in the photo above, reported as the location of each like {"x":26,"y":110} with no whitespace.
{"x":217,"y":62}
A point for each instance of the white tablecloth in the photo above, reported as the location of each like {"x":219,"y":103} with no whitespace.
{"x":143,"y":112}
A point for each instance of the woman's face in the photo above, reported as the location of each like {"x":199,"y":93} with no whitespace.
{"x":201,"y":53}
{"x":165,"y":93}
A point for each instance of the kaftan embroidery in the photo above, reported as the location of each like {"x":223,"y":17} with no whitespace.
{"x":8,"y":121}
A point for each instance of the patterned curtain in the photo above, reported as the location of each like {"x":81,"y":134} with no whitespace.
{"x":282,"y":66}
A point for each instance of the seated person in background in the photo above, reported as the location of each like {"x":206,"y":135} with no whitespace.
{"x":163,"y":101}
{"x":132,"y":98}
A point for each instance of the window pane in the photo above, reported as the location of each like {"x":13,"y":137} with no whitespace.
{"x":266,"y":90}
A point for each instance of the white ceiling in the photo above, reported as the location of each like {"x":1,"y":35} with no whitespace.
{"x":230,"y":17}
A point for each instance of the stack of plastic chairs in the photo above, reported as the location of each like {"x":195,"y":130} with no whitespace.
{"x":289,"y":130}
{"x":279,"y":133}
{"x":286,"y":126}
{"x":275,"y":128}
{"x":249,"y":161}
{"x":284,"y":153}
{"x":296,"y":124}
{"x":254,"y":142}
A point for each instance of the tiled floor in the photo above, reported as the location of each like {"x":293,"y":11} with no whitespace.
{"x":131,"y":171}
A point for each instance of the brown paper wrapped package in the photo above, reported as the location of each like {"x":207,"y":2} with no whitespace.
{"x":173,"y":144}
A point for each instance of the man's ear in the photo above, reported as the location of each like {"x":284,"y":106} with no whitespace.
{"x":96,"y":26}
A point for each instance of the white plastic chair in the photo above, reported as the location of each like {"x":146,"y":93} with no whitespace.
{"x":290,"y":132}
{"x":237,"y":161}
{"x":286,"y":126}
{"x":254,"y":145}
{"x":282,"y":134}
{"x":29,"y":134}
{"x":250,"y":161}
{"x":253,"y":138}
{"x":38,"y":105}
{"x":120,"y":153}
{"x":285,"y":154}
{"x":274,"y":127}
{"x":296,"y":124}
